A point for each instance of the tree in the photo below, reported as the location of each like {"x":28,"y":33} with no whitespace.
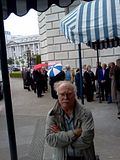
{"x":17,"y":62}
{"x":10,"y":61}
{"x":38,"y":59}
{"x":22,"y":61}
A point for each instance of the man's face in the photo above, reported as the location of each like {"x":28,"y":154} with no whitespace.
{"x":66,"y":96}
{"x":104,"y":66}
{"x":84,"y":67}
{"x":89,"y":68}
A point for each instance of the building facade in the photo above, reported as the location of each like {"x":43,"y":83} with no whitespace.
{"x":56,"y":48}
{"x":18,"y":47}
{"x":7,"y":36}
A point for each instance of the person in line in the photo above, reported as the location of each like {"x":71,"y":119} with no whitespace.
{"x":35,"y":76}
{"x":117,"y":80}
{"x":103,"y":75}
{"x":59,"y":77}
{"x":68,"y":73}
{"x":84,"y":68}
{"x":70,"y":126}
{"x":108,"y":84}
{"x":24,"y":77}
{"x":98,"y":67}
{"x":45,"y":88}
{"x":39,"y":83}
{"x":89,"y":83}
{"x":113,"y":82}
{"x":28,"y":79}
{"x":72,"y":75}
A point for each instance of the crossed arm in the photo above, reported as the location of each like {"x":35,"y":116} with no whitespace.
{"x":79,"y":137}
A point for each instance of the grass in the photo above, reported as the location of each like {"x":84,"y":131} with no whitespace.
{"x":16,"y":74}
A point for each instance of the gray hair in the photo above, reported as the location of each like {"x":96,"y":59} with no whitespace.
{"x":68,"y":83}
{"x":118,"y":62}
{"x":67,"y":67}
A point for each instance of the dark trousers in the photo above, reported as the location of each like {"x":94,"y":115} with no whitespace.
{"x":75,"y":158}
{"x":53,"y":92}
{"x":104,"y":91}
{"x":39,"y":90}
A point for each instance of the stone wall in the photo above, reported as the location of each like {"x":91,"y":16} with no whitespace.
{"x":56,"y":48}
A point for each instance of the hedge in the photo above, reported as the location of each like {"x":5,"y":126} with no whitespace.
{"x":16,"y":74}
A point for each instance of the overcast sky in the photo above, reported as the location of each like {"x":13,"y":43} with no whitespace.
{"x":25,"y":25}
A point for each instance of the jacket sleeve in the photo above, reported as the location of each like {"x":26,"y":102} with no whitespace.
{"x":86,"y":138}
{"x":60,"y":139}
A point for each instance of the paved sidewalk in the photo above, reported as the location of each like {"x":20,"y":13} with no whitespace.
{"x":29,"y":119}
{"x":107,"y":132}
{"x":30,"y":114}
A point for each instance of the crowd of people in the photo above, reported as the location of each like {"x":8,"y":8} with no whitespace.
{"x":36,"y":80}
{"x":103,"y":84}
{"x":70,"y":126}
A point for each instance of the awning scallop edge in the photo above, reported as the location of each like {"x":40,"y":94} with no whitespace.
{"x":21,"y":7}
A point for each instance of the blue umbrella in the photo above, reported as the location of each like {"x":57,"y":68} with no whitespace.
{"x":54,"y":70}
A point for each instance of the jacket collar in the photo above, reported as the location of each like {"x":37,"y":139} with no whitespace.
{"x":57,"y":110}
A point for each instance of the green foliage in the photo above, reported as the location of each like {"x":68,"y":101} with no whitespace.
{"x":17,"y":74}
{"x":17,"y":62}
{"x":38,"y":59}
{"x":10,"y":61}
{"x":22,"y":61}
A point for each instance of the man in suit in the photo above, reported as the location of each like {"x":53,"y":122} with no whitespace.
{"x":103,"y":76}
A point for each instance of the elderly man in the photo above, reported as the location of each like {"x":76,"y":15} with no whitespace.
{"x":69,"y":126}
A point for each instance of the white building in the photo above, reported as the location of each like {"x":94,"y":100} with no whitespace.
{"x":7,"y":36}
{"x":18,"y":46}
{"x":55,"y":48}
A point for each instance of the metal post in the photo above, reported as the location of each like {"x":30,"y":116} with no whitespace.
{"x":98,"y":68}
{"x":97,"y":56}
{"x":81,"y":77}
{"x":6,"y":89}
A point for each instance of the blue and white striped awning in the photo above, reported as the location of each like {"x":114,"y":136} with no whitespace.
{"x":96,"y":21}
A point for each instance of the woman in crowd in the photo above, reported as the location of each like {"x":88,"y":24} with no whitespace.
{"x":89,"y":83}
{"x":113,"y":83}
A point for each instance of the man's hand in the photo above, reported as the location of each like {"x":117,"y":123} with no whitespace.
{"x":103,"y":81}
{"x":77,"y":132}
{"x":55,"y":128}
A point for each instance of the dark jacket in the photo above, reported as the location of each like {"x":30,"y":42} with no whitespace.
{"x":101,"y":76}
{"x":117,"y":77}
{"x":58,"y":77}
